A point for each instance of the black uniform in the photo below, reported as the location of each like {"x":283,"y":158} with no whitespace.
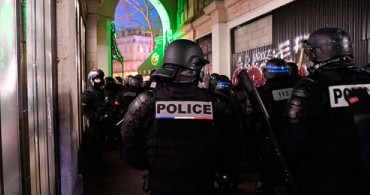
{"x":274,"y":94}
{"x":175,"y":131}
{"x":321,"y":138}
{"x":93,"y":107}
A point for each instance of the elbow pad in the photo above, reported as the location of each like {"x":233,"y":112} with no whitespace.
{"x":137,"y":115}
{"x":301,"y":106}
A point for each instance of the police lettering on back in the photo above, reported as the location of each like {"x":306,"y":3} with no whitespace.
{"x":184,"y":110}
{"x":337,"y":93}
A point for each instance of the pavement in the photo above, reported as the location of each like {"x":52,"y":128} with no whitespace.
{"x":112,"y":177}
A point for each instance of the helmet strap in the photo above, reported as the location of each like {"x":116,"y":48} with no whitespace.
{"x":335,"y":60}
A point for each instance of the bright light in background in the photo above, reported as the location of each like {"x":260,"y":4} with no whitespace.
{"x":141,"y":50}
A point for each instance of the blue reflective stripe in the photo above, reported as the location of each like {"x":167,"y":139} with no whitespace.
{"x":277,"y":67}
{"x":279,"y":71}
{"x":364,"y":69}
{"x":160,"y":117}
{"x":223,"y":84}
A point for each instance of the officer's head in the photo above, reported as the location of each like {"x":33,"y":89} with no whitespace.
{"x":213,"y":79}
{"x":293,"y":68}
{"x":119,"y":80}
{"x":136,"y":81}
{"x":140,"y":77}
{"x":128,"y":80}
{"x":182,"y":62}
{"x":96,"y":78}
{"x":110,"y":82}
{"x":276,"y":68}
{"x":224,"y":83}
{"x":327,"y":44}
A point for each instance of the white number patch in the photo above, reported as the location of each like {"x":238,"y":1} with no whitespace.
{"x":282,"y":94}
{"x":336,"y":94}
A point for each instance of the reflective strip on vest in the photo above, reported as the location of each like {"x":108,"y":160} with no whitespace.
{"x":336,"y":94}
{"x":183,"y":110}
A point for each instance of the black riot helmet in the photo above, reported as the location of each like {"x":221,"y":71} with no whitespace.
{"x":95,"y":73}
{"x":184,"y":53}
{"x":224,"y":83}
{"x":119,"y":80}
{"x":182,"y":63}
{"x":213,"y":79}
{"x":328,"y":43}
{"x":136,"y":81}
{"x":293,"y":69}
{"x":276,"y":68}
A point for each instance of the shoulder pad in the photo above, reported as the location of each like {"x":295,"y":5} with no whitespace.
{"x":137,"y":114}
{"x":302,"y":102}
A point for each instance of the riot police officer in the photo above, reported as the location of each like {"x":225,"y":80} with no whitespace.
{"x":321,"y":138}
{"x":93,"y":108}
{"x":174,"y":130}
{"x":274,"y":94}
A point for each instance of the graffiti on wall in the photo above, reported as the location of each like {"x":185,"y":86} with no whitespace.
{"x":254,"y":59}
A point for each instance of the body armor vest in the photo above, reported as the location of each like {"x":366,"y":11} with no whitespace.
{"x":334,"y":154}
{"x":181,"y":141}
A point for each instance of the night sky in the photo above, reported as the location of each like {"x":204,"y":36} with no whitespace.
{"x":120,"y":22}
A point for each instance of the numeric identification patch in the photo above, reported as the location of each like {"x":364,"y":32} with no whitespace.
{"x":336,"y":94}
{"x":282,"y":94}
{"x":183,"y":110}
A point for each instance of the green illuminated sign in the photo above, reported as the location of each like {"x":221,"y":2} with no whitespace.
{"x":155,"y":58}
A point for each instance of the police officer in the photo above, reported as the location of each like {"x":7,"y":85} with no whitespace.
{"x":175,"y":131}
{"x":321,"y":138}
{"x":213,"y":79}
{"x":93,"y":108}
{"x":224,"y":98}
{"x":274,"y":94}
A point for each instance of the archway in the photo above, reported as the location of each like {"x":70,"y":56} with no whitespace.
{"x":105,"y":13}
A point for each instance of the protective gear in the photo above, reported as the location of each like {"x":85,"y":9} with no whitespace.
{"x":213,"y":79}
{"x":93,"y":108}
{"x":136,"y":81}
{"x":274,"y":94}
{"x":182,"y":63}
{"x":293,"y":69}
{"x":328,"y":43}
{"x":184,"y":53}
{"x":321,"y":137}
{"x":119,"y":80}
{"x":95,"y":73}
{"x":304,"y":97}
{"x":223,"y":84}
{"x":179,"y":153}
{"x":276,"y":68}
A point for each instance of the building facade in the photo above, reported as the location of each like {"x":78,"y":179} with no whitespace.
{"x":135,"y":46}
{"x":248,"y":32}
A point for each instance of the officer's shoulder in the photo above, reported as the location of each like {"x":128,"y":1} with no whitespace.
{"x":146,"y":96}
{"x":306,"y":85}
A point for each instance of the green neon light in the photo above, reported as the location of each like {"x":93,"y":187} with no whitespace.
{"x":117,"y":55}
{"x":166,"y":26}
{"x":109,"y":44}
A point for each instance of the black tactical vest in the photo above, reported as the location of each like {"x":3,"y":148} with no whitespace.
{"x":182,"y":141}
{"x":335,"y":149}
